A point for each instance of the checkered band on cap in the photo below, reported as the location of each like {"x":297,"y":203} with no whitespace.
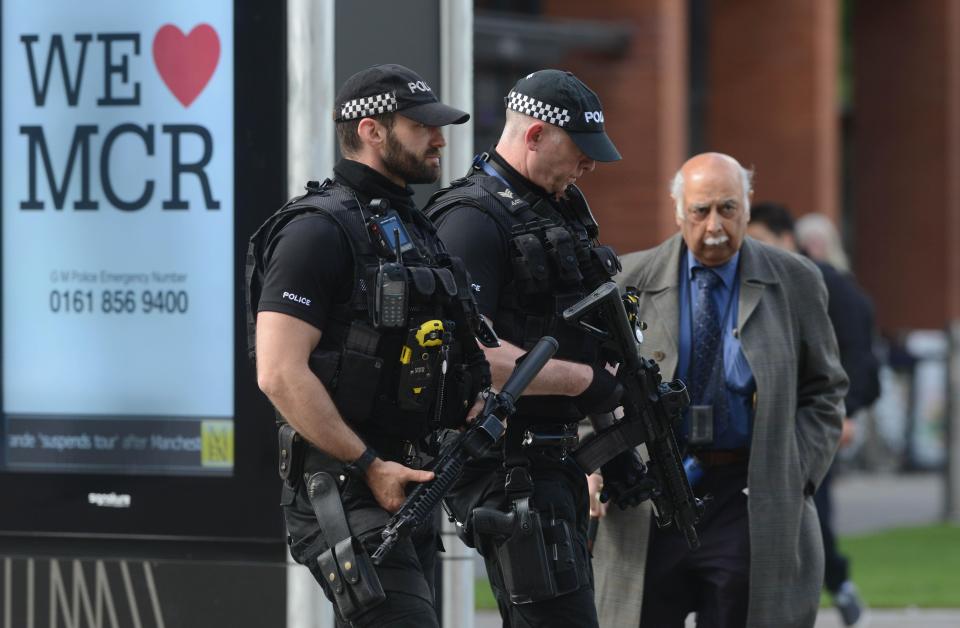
{"x":538,"y":109}
{"x":368,"y":106}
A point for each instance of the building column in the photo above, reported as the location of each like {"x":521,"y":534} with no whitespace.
{"x":644,"y":96}
{"x":906,"y":174}
{"x":772,"y":97}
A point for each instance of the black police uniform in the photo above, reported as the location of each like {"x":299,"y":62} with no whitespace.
{"x":530,"y":257}
{"x":317,"y":259}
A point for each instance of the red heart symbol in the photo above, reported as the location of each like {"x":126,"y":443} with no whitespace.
{"x":186,"y":62}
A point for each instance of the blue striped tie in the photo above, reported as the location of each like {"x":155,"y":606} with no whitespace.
{"x":707,"y":343}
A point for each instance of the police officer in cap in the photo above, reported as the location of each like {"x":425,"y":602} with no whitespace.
{"x":364,"y":345}
{"x":527,"y":236}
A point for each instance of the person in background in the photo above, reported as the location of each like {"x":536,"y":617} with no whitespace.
{"x":851,"y":313}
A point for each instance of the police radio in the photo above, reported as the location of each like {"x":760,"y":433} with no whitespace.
{"x":390,"y":302}
{"x":390,"y":297}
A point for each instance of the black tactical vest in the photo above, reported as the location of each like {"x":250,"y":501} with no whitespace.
{"x":365,"y":367}
{"x":555,"y":261}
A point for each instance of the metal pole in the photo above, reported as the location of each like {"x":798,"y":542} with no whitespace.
{"x":456,"y":82}
{"x":310,"y":155}
{"x":952,"y":483}
{"x":456,"y":72}
{"x":310,"y":91}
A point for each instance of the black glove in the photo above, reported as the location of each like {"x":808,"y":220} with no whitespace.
{"x":625,"y":480}
{"x":602,"y":395}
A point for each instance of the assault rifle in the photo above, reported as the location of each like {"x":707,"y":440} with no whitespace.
{"x":650,"y":408}
{"x":485,"y":430}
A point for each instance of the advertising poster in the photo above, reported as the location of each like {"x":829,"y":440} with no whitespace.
{"x":117,"y":226}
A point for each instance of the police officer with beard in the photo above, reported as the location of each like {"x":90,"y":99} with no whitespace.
{"x":364,"y":344}
{"x":528,"y":238}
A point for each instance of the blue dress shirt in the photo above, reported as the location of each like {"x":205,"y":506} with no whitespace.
{"x":740,"y":383}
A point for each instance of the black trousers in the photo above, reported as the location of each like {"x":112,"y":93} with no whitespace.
{"x":407,"y":573}
{"x":713,"y":580}
{"x":836,"y":565}
{"x":560,"y":490}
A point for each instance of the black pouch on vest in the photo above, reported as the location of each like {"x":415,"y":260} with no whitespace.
{"x":564,"y":254}
{"x":346,"y":568}
{"x":605,"y":258}
{"x":360,"y":371}
{"x":423,"y":280}
{"x":529,"y":263}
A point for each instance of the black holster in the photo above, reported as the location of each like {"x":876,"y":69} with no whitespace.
{"x":347,"y":569}
{"x":536,"y":554}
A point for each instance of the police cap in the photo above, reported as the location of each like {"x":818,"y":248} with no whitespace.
{"x":393,"y":88}
{"x":561,"y":99}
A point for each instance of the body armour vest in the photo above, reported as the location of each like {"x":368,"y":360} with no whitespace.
{"x":396,"y":382}
{"x":555,"y":261}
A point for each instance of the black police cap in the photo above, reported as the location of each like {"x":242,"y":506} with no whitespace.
{"x":393,"y":88}
{"x":561,"y":99}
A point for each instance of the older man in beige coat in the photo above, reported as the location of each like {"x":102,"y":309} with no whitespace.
{"x":761,"y":562}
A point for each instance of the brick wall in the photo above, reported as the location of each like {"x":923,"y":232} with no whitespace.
{"x":772,"y":97}
{"x":907,"y":166}
{"x":644,"y":100}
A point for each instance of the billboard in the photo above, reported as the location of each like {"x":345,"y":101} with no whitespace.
{"x":118,"y":305}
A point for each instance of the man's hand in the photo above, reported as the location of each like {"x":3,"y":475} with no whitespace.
{"x":476,"y":409}
{"x":848,"y":432}
{"x":388,"y":480}
{"x":598,"y":509}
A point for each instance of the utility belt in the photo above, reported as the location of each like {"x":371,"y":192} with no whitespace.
{"x":549,"y":440}
{"x":349,"y":578}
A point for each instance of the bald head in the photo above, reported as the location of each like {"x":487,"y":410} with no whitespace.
{"x":711,"y":163}
{"x":712,"y":196}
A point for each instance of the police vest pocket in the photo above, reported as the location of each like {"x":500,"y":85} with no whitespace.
{"x":446,"y":280}
{"x":324,"y":364}
{"x":357,"y":385}
{"x":423,"y":280}
{"x":606,"y":258}
{"x":529,"y":263}
{"x":564,"y":254}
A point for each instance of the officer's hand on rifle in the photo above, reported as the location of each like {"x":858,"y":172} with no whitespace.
{"x":474,"y":411}
{"x":598,"y":509}
{"x":602,"y":395}
{"x":388,"y":481}
{"x":625,"y":480}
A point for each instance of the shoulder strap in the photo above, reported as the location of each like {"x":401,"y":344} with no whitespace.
{"x":484,"y":192}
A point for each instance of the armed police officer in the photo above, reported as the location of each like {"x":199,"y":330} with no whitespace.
{"x":528,"y":238}
{"x":364,"y":345}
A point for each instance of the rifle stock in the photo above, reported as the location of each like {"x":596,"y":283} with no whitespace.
{"x":650,"y":406}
